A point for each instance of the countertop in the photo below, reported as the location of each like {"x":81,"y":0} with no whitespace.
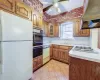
{"x":86,"y":56}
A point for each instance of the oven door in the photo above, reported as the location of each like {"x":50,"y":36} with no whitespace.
{"x":37,"y":39}
{"x":37,"y":51}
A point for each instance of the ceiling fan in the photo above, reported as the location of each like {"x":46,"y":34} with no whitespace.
{"x":54,"y":4}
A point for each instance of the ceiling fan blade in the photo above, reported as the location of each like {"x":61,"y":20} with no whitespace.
{"x":47,"y":8}
{"x":62,"y":0}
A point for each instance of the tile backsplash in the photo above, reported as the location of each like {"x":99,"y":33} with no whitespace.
{"x":75,"y":41}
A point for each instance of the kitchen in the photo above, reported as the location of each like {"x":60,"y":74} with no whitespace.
{"x":49,"y":40}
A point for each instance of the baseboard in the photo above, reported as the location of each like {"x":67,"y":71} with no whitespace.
{"x":59,"y":61}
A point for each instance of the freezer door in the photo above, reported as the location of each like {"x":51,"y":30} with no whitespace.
{"x":15,"y":28}
{"x":17,"y":60}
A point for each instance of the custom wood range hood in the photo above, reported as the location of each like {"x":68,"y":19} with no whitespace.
{"x":92,"y":11}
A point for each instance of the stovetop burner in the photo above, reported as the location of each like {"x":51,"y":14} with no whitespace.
{"x":84,"y":49}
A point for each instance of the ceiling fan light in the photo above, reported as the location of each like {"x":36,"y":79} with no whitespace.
{"x":56,"y":4}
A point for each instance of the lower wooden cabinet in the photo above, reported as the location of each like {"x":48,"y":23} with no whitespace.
{"x":60,"y":53}
{"x":80,"y":69}
{"x":37,"y":62}
{"x":77,"y":31}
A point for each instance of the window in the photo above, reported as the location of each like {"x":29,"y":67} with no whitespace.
{"x":66,"y":30}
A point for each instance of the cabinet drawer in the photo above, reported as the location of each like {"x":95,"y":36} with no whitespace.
{"x":8,"y":5}
{"x":23,"y":10}
{"x":55,"y":46}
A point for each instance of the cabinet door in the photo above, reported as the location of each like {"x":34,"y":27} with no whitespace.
{"x":85,"y":32}
{"x":35,"y":63}
{"x":78,"y":32}
{"x":40,"y":22}
{"x":8,"y":5}
{"x":34,"y":19}
{"x":51,"y":30}
{"x":45,"y":28}
{"x":23,"y":10}
{"x":56,"y":30}
{"x":63,"y":55}
{"x":55,"y":53}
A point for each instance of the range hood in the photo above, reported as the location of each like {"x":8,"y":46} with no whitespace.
{"x":93,"y":10}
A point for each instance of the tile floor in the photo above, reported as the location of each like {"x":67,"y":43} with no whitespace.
{"x":53,"y":70}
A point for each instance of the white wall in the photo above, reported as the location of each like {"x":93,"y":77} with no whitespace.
{"x":94,"y":38}
{"x":75,"y":41}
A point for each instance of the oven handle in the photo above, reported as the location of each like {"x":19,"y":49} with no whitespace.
{"x":37,"y":47}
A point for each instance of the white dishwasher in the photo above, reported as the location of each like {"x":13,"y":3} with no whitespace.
{"x":46,"y":53}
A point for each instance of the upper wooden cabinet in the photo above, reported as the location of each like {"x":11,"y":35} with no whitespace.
{"x":78,"y":32}
{"x":23,"y":10}
{"x":8,"y":5}
{"x":51,"y":30}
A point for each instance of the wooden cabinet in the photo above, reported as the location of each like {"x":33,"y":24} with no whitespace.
{"x":55,"y":53}
{"x":23,"y":10}
{"x":60,"y":53}
{"x":8,"y":5}
{"x":37,"y":20}
{"x":64,"y":55}
{"x":37,"y":62}
{"x":51,"y":29}
{"x":78,"y":32}
{"x":45,"y":29}
{"x":80,"y":69}
{"x":37,"y":14}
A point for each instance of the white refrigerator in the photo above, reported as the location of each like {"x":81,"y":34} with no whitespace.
{"x":15,"y":47}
